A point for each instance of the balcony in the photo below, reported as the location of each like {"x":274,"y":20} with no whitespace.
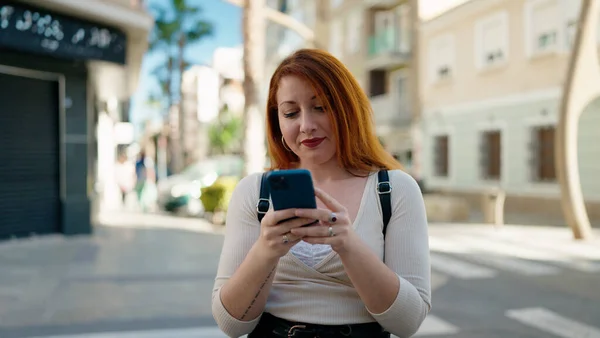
{"x":390,"y":112}
{"x":387,"y":51}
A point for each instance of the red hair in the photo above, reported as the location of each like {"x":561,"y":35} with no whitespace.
{"x":350,"y":113}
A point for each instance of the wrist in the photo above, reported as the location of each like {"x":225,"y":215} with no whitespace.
{"x":351,"y":246}
{"x":263,"y":254}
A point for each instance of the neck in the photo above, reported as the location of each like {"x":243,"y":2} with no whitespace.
{"x":326,"y":172}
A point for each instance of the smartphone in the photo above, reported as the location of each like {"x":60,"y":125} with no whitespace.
{"x":292,"y":188}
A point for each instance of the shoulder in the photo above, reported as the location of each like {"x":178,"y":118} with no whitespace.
{"x":404,"y":186}
{"x":244,"y":198}
{"x":249,"y":185}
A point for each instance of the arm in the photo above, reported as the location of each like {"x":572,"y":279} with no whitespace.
{"x":401,"y":299}
{"x":407,"y":256}
{"x":240,"y":267}
{"x":249,"y":258}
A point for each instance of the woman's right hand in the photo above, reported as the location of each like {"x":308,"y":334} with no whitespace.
{"x":275,"y":237}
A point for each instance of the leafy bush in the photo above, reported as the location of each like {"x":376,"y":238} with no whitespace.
{"x":216,"y":196}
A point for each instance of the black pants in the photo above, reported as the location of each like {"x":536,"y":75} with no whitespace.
{"x":274,"y":327}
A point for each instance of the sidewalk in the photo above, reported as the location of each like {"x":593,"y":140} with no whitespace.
{"x":138,"y":272}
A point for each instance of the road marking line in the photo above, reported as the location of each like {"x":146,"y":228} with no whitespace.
{"x":516,"y":265}
{"x":520,"y":251}
{"x":433,"y":325}
{"x":552,"y":322}
{"x":460,"y":269}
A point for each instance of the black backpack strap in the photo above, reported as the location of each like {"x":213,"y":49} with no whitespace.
{"x":384,"y":190}
{"x":262,"y":206}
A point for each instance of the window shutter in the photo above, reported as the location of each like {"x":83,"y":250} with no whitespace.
{"x":534,"y":155}
{"x":437,"y":158}
{"x":483,"y":155}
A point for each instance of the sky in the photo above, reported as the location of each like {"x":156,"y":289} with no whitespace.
{"x":226,"y":19}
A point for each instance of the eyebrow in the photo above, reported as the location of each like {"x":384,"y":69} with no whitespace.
{"x":294,"y":102}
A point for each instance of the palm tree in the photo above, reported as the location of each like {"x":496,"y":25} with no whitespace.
{"x":582,"y":85}
{"x":176,"y":27}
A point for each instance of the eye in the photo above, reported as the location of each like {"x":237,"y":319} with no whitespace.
{"x":290,"y":114}
{"x":319,"y":108}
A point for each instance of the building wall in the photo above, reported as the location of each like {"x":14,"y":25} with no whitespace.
{"x":472,"y":84}
{"x":513,"y":96}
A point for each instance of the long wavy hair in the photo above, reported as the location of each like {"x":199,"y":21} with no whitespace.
{"x":349,"y":110}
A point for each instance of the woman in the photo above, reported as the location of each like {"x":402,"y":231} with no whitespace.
{"x":329,"y":279}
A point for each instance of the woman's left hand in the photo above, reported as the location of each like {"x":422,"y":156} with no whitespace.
{"x":334,"y":227}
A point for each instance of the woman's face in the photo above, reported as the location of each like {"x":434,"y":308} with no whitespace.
{"x":304,"y":122}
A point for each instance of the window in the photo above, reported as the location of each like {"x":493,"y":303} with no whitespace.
{"x":541,"y":154}
{"x":355,"y":28}
{"x":335,"y":42}
{"x":405,"y":28}
{"x":571,"y":10}
{"x":490,"y":154}
{"x":385,"y":32}
{"x":377,"y":82}
{"x":441,"y":156}
{"x":491,"y":40}
{"x":544,"y":20}
{"x":441,"y":58}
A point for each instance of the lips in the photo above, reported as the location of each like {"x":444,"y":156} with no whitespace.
{"x":313,"y":142}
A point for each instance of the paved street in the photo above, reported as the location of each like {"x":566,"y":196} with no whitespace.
{"x":151,"y":276}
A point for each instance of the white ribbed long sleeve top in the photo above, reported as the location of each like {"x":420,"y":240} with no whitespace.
{"x":323,"y":294}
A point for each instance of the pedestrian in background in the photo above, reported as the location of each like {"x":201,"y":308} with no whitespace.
{"x":145,"y":187}
{"x":125,"y":176}
{"x":345,"y":276}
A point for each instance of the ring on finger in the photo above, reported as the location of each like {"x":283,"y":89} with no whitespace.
{"x":331,"y":233}
{"x":285,"y":239}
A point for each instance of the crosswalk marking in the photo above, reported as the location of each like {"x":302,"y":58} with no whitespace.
{"x":516,"y":265}
{"x":554,"y":323}
{"x":515,"y":257}
{"x":557,"y":242}
{"x":496,"y":260}
{"x":459,"y":269}
{"x":433,"y":325}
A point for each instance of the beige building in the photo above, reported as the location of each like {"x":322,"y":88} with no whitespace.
{"x":491,"y":80}
{"x":374,"y":39}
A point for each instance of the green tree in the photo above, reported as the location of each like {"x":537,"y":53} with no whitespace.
{"x":225,"y":134}
{"x":177,"y":26}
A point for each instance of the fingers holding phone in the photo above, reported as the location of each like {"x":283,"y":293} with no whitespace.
{"x":275,"y":231}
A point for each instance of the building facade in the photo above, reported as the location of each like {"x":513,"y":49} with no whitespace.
{"x":63,"y":65}
{"x":374,"y":39}
{"x":491,"y":86}
{"x":207,"y":92}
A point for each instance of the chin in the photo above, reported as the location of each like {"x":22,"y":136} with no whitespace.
{"x":317,"y":158}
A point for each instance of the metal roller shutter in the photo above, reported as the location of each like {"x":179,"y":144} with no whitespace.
{"x":29,"y":156}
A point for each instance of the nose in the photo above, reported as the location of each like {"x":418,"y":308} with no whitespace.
{"x":308,"y":124}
